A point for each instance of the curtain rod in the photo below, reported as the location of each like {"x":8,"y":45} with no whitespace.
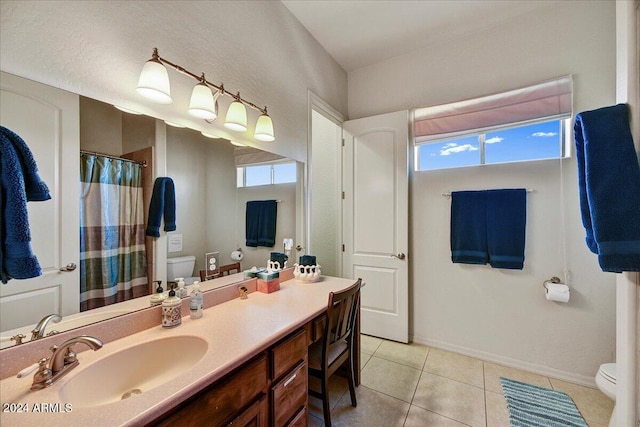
{"x":529,"y":190}
{"x":94,"y":153}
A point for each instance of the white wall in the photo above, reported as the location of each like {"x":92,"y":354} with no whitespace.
{"x":501,"y":314}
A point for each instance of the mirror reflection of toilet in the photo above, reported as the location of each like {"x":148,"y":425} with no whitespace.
{"x":606,"y":382}
{"x":182,"y":266}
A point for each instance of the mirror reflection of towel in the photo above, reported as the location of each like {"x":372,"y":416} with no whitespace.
{"x":163,"y":204}
{"x":260,"y":226}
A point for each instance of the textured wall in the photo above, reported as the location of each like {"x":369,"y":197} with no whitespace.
{"x":502,"y":314}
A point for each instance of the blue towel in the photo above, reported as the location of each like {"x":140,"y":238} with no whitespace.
{"x":260,"y":227}
{"x":163,"y":203}
{"x":609,"y":187}
{"x":469,"y":227}
{"x":506,"y":227}
{"x":19,"y":183}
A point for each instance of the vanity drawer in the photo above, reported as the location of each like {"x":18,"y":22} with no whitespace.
{"x":300,"y":420}
{"x":224,"y":399}
{"x":288,"y":353}
{"x":289,"y":395}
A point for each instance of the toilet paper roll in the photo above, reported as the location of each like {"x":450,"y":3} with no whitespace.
{"x":557,"y":292}
{"x":237,"y":255}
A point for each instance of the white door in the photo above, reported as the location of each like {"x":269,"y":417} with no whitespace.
{"x":376,"y":220}
{"x":48,"y":120}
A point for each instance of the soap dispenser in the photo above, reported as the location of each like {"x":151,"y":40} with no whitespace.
{"x":171,"y":310}
{"x":182,"y":290}
{"x":196,"y":301}
{"x":158,"y":297}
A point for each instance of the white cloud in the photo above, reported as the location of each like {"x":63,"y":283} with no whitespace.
{"x":493,"y":140}
{"x":545,"y":134}
{"x":455,"y":148}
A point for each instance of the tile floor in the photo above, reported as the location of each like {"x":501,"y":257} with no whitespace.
{"x":418,"y":386}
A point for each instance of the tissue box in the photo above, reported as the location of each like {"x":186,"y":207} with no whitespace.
{"x":268,"y":286}
{"x":268,"y":275}
{"x":251,"y":274}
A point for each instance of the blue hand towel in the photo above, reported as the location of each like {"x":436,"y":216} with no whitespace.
{"x":469,"y":227}
{"x":19,"y":183}
{"x":163,"y":203}
{"x":260,"y":226}
{"x":506,"y":227}
{"x":609,"y":187}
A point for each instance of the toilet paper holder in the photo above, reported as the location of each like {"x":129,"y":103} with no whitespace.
{"x":554,"y":279}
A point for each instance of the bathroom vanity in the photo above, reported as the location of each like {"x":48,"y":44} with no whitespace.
{"x":252,"y":369}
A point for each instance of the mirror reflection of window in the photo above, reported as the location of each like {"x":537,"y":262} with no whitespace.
{"x":266,"y":174}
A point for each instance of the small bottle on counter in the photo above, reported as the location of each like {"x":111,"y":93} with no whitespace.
{"x":182,"y":290}
{"x":158,"y":297}
{"x":171,"y":310}
{"x":196,"y":301}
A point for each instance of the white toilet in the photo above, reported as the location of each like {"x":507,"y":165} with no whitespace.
{"x":182,"y":266}
{"x":606,"y":382}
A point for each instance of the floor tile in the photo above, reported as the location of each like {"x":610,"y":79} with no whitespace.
{"x":455,"y":366}
{"x":493,"y":372}
{"x":413,"y":355}
{"x":390,"y":378}
{"x":419,"y":417}
{"x":369,"y":344}
{"x":452,"y":399}
{"x":364,"y":358}
{"x":374,"y":409}
{"x":592,"y":404}
{"x":338,"y":386}
{"x":497,"y":411}
{"x":314,"y":422}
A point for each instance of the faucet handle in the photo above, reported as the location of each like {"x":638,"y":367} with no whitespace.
{"x":26,"y":371}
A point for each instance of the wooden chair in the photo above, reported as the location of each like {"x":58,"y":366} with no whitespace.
{"x":225,"y":270}
{"x":336,"y":346}
{"x":203,"y":276}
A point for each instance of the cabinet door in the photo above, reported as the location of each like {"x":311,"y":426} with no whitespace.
{"x":254,"y":416}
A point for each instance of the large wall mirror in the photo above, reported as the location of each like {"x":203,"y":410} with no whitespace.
{"x":213,"y":180}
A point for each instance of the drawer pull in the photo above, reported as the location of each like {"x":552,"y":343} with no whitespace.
{"x":293,"y":377}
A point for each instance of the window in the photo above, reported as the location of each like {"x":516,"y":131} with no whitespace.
{"x":537,"y":141}
{"x":266,"y":174}
{"x":530,"y":123}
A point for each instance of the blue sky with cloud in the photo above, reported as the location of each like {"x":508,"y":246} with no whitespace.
{"x":531,"y":142}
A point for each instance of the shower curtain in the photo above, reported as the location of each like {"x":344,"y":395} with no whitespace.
{"x":112,"y":252}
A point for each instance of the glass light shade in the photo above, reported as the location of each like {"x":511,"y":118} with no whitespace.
{"x":202,"y":104}
{"x":210,"y":135}
{"x":264,"y":129}
{"x":236,"y":117}
{"x":237,"y":144}
{"x":154,"y":82}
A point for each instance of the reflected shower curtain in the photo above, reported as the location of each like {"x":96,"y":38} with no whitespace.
{"x":113,"y":265}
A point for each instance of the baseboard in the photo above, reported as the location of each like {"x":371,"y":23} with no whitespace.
{"x":508,"y":361}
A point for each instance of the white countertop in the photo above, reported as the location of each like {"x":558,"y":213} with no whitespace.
{"x":235,"y":331}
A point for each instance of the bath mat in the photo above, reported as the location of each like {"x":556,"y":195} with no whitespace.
{"x":533,"y":406}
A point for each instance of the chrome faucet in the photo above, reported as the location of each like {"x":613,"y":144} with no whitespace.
{"x":38,"y":331}
{"x":61,"y":361}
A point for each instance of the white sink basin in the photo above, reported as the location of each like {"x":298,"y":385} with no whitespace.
{"x":132,"y":371}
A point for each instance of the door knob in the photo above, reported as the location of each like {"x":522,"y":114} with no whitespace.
{"x":299,"y":248}
{"x":69,"y":267}
{"x":400,"y":256}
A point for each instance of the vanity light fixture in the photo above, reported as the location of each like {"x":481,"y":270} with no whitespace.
{"x":154,"y":81}
{"x":237,"y":144}
{"x":264,"y":128}
{"x":203,"y":105}
{"x":236,"y":116}
{"x":154,"y":85}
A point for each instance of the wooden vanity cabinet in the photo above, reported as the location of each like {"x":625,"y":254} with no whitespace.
{"x":288,"y":392}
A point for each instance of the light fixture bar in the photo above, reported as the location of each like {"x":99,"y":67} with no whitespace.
{"x":221,"y":88}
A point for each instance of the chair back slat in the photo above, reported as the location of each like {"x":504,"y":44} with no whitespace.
{"x":341,"y":316}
